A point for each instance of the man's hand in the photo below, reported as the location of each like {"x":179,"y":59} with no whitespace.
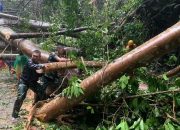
{"x":12,"y":71}
{"x":41,"y":66}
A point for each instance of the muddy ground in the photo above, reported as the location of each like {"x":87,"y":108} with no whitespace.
{"x":7,"y":98}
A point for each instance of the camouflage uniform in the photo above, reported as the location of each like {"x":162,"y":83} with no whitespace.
{"x":50,"y":77}
{"x":28,"y":80}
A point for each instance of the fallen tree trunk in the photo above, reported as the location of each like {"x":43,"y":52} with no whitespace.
{"x":154,"y":48}
{"x":15,"y":20}
{"x":8,"y":56}
{"x":36,"y":34}
{"x":173,"y":72}
{"x":32,"y":23}
{"x":26,"y":46}
{"x":45,"y":34}
{"x":70,"y":64}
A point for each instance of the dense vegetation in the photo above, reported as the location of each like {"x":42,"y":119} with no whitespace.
{"x":110,"y":25}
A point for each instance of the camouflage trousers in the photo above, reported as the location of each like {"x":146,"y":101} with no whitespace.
{"x":21,"y":94}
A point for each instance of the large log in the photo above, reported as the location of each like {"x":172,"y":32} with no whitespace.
{"x":26,"y":46}
{"x":32,"y":23}
{"x":7,"y":19}
{"x":8,"y":56}
{"x":70,"y":33}
{"x":46,"y":34}
{"x":154,"y":48}
{"x":173,"y":72}
{"x":69,"y":65}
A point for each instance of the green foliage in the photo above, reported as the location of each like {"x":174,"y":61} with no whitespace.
{"x":53,"y":126}
{"x":130,"y":4}
{"x":169,"y":126}
{"x":91,"y":109}
{"x":104,"y":41}
{"x":141,"y":113}
{"x":177,"y":81}
{"x":123,"y":125}
{"x":123,"y":81}
{"x":71,"y":14}
{"x":135,"y":31}
{"x":153,"y":82}
{"x":139,"y":125}
{"x":172,"y":60}
{"x":74,"y":89}
{"x":92,"y":39}
{"x":165,"y":77}
{"x":18,"y":126}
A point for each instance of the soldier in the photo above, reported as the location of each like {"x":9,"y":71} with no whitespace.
{"x":28,"y":80}
{"x":52,"y":79}
{"x":130,"y":45}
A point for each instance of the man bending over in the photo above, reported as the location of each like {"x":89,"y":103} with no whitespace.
{"x":28,"y":80}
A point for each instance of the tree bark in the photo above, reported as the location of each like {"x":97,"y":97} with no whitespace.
{"x":173,"y":72}
{"x":32,"y":23}
{"x":8,"y":56}
{"x":154,"y":48}
{"x":70,"y":64}
{"x":45,"y":34}
{"x":26,"y":46}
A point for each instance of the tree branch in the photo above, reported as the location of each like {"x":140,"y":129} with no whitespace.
{"x":45,"y":34}
{"x":155,"y":93}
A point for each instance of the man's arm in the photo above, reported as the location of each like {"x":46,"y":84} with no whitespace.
{"x":54,"y":58}
{"x":34,"y":66}
{"x":62,"y":59}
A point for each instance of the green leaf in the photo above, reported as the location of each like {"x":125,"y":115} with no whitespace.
{"x":169,"y":126}
{"x":177,"y":99}
{"x":72,"y":91}
{"x":142,"y":125}
{"x":105,"y":30}
{"x":135,"y":103}
{"x":156,"y":112}
{"x":123,"y":81}
{"x":135,"y":124}
{"x":91,"y":109}
{"x":111,"y":128}
{"x":123,"y":125}
{"x":177,"y":81}
{"x":165,"y":77}
{"x":119,"y":126}
{"x":81,"y":90}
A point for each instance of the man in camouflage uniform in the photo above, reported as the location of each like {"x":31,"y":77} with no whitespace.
{"x":52,"y":78}
{"x":28,"y":80}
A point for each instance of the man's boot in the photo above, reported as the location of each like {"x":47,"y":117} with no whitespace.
{"x":16,"y":108}
{"x":36,"y":99}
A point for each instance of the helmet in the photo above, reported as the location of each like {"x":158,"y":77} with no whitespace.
{"x":130,"y":42}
